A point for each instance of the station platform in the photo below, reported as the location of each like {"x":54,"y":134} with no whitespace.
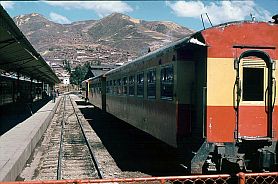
{"x":17,"y":144}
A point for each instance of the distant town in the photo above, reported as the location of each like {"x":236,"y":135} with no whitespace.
{"x":61,"y":59}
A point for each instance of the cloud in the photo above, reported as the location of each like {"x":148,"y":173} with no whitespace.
{"x":7,"y":4}
{"x":220,"y":11}
{"x":102,"y":8}
{"x":55,"y":17}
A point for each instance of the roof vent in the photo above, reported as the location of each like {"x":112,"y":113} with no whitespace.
{"x":275,"y":18}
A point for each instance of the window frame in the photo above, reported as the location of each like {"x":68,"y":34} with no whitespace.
{"x":119,"y":86}
{"x":131,"y":85}
{"x":140,"y":85}
{"x":124,"y":85}
{"x":167,"y":84}
{"x":151,"y":83}
{"x":248,"y":94}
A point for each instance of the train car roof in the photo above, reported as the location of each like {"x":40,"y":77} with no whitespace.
{"x":157,"y":52}
{"x":20,"y":55}
{"x":93,"y":78}
{"x":191,"y":39}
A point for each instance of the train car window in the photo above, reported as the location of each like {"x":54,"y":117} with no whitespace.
{"x":119,"y":87}
{"x":253,"y":84}
{"x":107,"y":87}
{"x":151,"y":84}
{"x":140,"y":85}
{"x":131,"y":87}
{"x":125,"y":85}
{"x":114,"y":87}
{"x":167,"y":83}
{"x":97,"y":88}
{"x":111,"y":87}
{"x":174,"y":58}
{"x":6,"y":92}
{"x":94,"y":87}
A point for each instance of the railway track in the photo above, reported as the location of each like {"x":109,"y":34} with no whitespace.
{"x":67,"y":153}
{"x":75,"y":154}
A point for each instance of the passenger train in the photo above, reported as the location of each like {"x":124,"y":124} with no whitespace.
{"x":14,"y":90}
{"x":212,"y":94}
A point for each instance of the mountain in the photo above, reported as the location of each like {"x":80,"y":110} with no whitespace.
{"x":44,"y":34}
{"x":168,"y":28}
{"x":112,"y":39}
{"x":121,"y":31}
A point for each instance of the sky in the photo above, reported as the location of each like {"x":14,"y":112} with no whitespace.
{"x":185,"y":13}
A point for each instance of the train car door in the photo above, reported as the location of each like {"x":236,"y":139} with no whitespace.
{"x":254,"y":92}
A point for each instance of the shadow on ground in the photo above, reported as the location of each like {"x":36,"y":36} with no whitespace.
{"x":15,"y":113}
{"x":132,"y":149}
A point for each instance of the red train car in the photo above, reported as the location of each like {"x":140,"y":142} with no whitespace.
{"x":212,"y":95}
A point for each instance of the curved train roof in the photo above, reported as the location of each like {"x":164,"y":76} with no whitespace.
{"x":191,"y":39}
{"x":154,"y":53}
{"x":18,"y":55}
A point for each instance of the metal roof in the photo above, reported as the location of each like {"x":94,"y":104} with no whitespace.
{"x":190,"y":39}
{"x":155,"y":53}
{"x":18,"y":55}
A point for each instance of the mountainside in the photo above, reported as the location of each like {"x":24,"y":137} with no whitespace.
{"x":112,"y":39}
{"x":44,"y":34}
{"x":169,"y":28}
{"x":124,"y":32}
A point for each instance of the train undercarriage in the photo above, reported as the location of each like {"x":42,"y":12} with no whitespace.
{"x":250,"y":154}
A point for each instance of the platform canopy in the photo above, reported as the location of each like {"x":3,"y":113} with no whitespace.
{"x":18,"y":55}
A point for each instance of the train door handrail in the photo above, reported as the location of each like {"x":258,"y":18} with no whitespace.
{"x":269,"y":63}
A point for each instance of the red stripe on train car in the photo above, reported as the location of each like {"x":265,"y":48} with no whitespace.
{"x":220,"y":123}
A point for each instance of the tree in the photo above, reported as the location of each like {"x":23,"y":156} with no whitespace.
{"x":67,"y":66}
{"x":78,"y":75}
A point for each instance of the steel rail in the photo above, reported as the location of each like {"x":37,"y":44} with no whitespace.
{"x":60,"y":156}
{"x":100,"y":175}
